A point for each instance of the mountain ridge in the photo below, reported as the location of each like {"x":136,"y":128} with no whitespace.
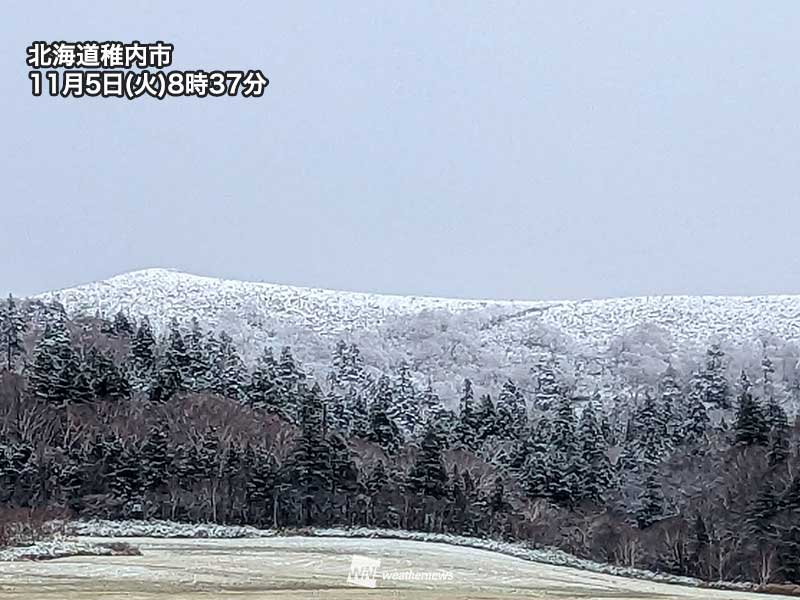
{"x":165,"y":271}
{"x":486,"y":340}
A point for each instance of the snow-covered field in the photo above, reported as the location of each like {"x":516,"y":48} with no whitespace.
{"x":169,"y":529}
{"x":301,"y":567}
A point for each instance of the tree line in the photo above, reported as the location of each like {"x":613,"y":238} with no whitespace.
{"x":106,"y":417}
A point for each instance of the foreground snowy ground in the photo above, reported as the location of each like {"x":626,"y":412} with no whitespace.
{"x":301,"y":567}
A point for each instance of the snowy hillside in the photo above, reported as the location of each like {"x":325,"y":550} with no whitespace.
{"x":443,"y":335}
{"x":164,"y":294}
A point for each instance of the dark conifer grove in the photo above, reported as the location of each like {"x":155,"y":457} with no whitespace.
{"x":111,"y":418}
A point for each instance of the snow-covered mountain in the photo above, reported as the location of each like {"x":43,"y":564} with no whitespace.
{"x":442,"y":336}
{"x":165,"y":293}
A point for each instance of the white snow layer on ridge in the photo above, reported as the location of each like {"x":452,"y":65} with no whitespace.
{"x":164,"y":294}
{"x":166,"y":529}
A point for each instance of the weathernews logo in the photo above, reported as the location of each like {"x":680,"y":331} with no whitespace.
{"x":364,"y":572}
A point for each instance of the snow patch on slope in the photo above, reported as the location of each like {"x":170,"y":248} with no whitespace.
{"x":60,"y":548}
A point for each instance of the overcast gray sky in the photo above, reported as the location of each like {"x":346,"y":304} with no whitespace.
{"x":474,"y":149}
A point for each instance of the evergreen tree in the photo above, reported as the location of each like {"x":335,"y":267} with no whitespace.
{"x":347,"y":368}
{"x":199,"y":372}
{"x":789,"y":553}
{"x":597,"y":475}
{"x":715,"y":381}
{"x":155,"y":458}
{"x":428,"y":476}
{"x":375,"y":488}
{"x":339,"y":365}
{"x":790,"y":498}
{"x":66,"y":381}
{"x":486,"y":419}
{"x":651,"y":439}
{"x":449,"y":424}
{"x":700,"y":544}
{"x":548,"y":389}
{"x":11,"y":329}
{"x":377,"y":480}
{"x":142,"y":357}
{"x":468,"y":429}
{"x":346,"y":399}
{"x":288,"y":378}
{"x":651,"y":502}
{"x":354,"y":376}
{"x":537,"y":464}
{"x":406,"y":405}
{"x":359,"y":415}
{"x":82,"y":391}
{"x":176,"y":348}
{"x":71,"y":478}
{"x":262,"y":391}
{"x":227,"y":369}
{"x":355,"y":373}
{"x":511,"y":412}
{"x":167,"y":384}
{"x":173,"y":373}
{"x":44,"y":367}
{"x":261,"y":484}
{"x":629,"y":457}
{"x":310,"y":474}
{"x":673,"y":409}
{"x":778,"y":424}
{"x":54,"y":364}
{"x":383,"y":429}
{"x":14,"y":467}
{"x":343,"y":472}
{"x":107,"y":380}
{"x":564,"y":467}
{"x":761,"y":513}
{"x":124,"y":463}
{"x":497,"y":500}
{"x":312,"y":411}
{"x":751,"y":423}
{"x":383,"y":395}
{"x":431,"y":404}
{"x":696,"y":421}
{"x":122,"y":326}
{"x":338,"y":410}
{"x":767,"y":371}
